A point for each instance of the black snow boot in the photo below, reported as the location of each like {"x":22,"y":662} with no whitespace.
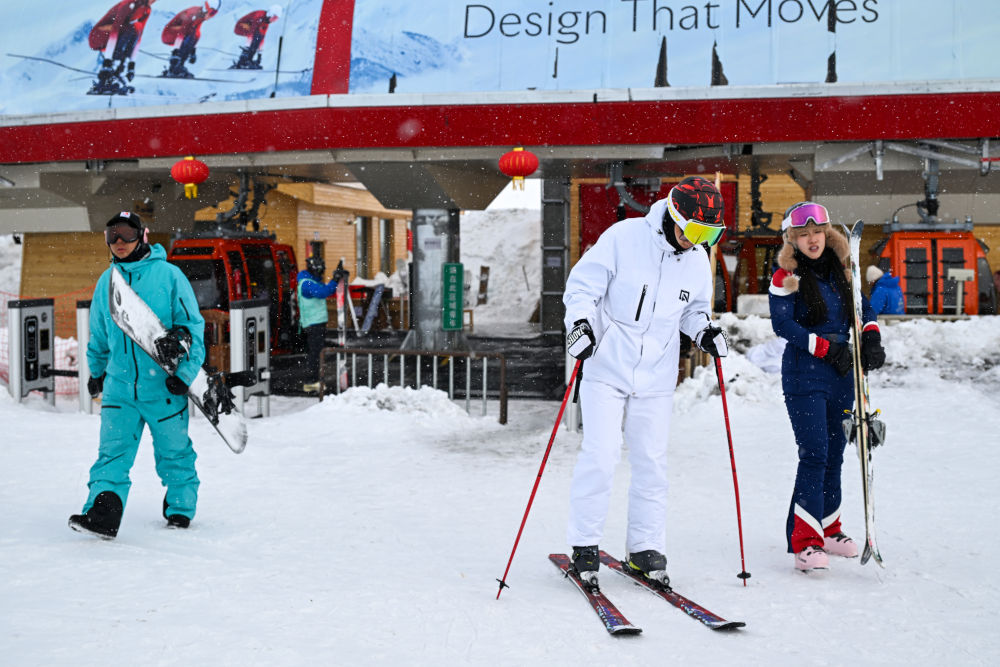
{"x":174,"y":520}
{"x":103,"y":517}
{"x":650,"y":564}
{"x":585,"y":562}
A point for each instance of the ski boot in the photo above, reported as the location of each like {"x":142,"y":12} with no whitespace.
{"x":585,"y":562}
{"x":103,"y":517}
{"x":841,"y":545}
{"x":174,"y":520}
{"x":811,"y":559}
{"x":650,"y":564}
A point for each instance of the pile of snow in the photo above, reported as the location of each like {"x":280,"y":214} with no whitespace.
{"x":509,"y":242}
{"x":961,"y":350}
{"x":404,"y":404}
{"x":10,"y":265}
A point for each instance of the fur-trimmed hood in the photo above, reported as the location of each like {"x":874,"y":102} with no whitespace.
{"x":835,"y":240}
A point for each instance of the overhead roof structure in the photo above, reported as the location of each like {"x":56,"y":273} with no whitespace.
{"x":430,"y":144}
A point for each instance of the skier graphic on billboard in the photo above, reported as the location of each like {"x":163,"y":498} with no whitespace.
{"x":254,"y":27}
{"x":119,"y":32}
{"x":182,"y":33}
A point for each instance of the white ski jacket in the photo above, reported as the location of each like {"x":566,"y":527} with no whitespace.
{"x":638,"y":292}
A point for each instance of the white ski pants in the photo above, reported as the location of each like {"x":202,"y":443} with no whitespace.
{"x":608,"y":413}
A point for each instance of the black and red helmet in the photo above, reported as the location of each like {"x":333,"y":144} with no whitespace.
{"x":695,"y":204}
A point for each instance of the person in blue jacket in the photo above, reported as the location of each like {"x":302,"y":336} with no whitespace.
{"x":887,"y":296}
{"x":810,"y":300}
{"x":136,"y":391}
{"x":313,"y":315}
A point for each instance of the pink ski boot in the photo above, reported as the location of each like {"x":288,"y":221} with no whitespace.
{"x":840,"y":545}
{"x":811,"y":558}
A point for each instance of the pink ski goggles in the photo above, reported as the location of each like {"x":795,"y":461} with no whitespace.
{"x":803,"y":214}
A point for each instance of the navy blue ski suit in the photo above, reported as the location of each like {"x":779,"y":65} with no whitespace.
{"x":815,"y":395}
{"x":135,"y":394}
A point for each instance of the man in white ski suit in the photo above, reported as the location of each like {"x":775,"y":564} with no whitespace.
{"x":637,"y":291}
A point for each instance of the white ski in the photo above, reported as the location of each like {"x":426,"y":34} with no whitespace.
{"x":862,"y":427}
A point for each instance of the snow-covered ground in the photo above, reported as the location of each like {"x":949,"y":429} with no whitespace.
{"x":370,"y":529}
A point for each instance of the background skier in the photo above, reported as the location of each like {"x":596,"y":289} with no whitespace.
{"x":254,"y":27}
{"x":887,"y":296}
{"x":627,"y":300}
{"x":120,"y":31}
{"x":810,"y":301}
{"x":182,"y":33}
{"x":136,"y":390}
{"x":313,"y":314}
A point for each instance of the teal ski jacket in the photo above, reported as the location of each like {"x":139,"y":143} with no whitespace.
{"x":167,"y":291}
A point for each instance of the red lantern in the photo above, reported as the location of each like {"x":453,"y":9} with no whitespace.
{"x":517,"y":164}
{"x":190,"y":172}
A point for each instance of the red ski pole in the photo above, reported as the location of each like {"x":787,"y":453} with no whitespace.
{"x":541,"y":468}
{"x":744,"y":575}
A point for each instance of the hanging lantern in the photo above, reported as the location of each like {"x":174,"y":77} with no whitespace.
{"x":517,"y":164}
{"x":190,"y":172}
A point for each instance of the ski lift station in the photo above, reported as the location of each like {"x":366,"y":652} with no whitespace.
{"x":363,"y":130}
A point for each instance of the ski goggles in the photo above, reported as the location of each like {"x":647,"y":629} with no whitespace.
{"x":803,"y":214}
{"x":126,"y":233}
{"x":695,"y":231}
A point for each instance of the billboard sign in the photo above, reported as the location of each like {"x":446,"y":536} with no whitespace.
{"x":519,"y":45}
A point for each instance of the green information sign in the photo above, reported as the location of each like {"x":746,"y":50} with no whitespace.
{"x":451,"y":296}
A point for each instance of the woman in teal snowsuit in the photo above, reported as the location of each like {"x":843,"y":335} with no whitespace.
{"x":136,"y":391}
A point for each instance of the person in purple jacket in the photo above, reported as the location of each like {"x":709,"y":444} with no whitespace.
{"x":810,"y":300}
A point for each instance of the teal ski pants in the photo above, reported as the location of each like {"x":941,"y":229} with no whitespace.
{"x":122,"y":422}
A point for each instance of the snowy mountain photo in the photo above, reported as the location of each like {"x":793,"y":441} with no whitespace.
{"x":47,"y":59}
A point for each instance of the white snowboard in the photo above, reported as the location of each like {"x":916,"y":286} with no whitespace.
{"x":141,"y":324}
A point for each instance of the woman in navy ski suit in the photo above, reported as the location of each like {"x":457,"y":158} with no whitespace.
{"x":811,"y":308}
{"x":136,"y":391}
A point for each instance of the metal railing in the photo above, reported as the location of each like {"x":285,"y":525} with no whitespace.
{"x":394,"y":366}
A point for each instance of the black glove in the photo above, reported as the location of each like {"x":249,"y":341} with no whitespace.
{"x":176,"y":386}
{"x":872,"y":352}
{"x":171,"y":346}
{"x":95,"y":386}
{"x":713,"y":339}
{"x":580,"y":341}
{"x":839,"y":356}
{"x":340,"y":274}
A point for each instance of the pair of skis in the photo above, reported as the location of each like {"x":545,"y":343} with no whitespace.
{"x":861,"y":425}
{"x":614,"y":621}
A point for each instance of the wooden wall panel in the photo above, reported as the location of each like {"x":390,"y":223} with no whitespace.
{"x":65,"y":267}
{"x":331,"y":226}
{"x":777,"y":193}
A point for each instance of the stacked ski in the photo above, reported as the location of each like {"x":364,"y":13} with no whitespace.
{"x":692,"y":609}
{"x":862,"y":424}
{"x":613,"y":620}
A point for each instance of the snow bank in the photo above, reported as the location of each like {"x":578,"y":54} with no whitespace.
{"x":509,"y":242}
